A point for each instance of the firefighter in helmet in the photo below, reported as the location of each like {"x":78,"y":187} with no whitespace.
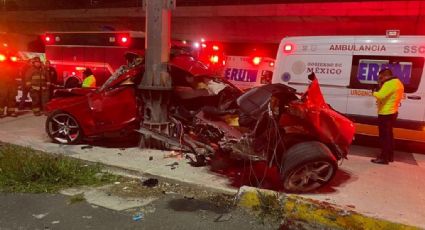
{"x":38,"y":83}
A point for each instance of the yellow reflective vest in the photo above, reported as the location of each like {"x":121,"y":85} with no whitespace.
{"x":89,"y":82}
{"x":389,"y":96}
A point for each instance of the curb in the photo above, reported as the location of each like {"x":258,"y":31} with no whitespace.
{"x":316,"y":214}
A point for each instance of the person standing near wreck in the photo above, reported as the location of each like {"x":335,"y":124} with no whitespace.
{"x":38,"y":83}
{"x":89,"y":79}
{"x":388,"y":99}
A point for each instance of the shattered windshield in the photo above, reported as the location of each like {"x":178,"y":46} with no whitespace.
{"x":119,"y":72}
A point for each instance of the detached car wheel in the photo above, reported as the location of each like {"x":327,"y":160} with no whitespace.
{"x":308,"y":166}
{"x":63,"y":128}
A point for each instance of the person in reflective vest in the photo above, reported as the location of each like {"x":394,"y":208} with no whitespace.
{"x":89,"y":79}
{"x":37,"y":80}
{"x":388,"y":99}
{"x":8,"y":89}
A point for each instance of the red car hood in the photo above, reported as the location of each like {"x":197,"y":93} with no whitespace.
{"x":73,"y":92}
{"x":191,"y":65}
{"x":331,"y":126}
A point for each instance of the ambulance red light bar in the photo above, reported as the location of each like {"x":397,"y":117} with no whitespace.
{"x":393,"y":33}
{"x":48,"y":39}
{"x":124,"y":40}
{"x":204,"y":45}
{"x":214,"y":59}
{"x":256,"y":60}
{"x":2,"y":57}
{"x":216,"y":47}
{"x":14,"y":59}
{"x":288,"y":48}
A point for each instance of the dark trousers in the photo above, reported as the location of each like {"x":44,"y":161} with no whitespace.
{"x":386,"y":138}
{"x":39,"y":99}
{"x":7,"y":99}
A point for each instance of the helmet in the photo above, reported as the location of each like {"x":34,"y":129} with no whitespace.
{"x":88,"y":72}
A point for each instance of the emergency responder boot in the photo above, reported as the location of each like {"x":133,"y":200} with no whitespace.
{"x":12,"y":114}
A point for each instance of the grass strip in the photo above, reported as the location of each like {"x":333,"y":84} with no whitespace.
{"x":23,"y":169}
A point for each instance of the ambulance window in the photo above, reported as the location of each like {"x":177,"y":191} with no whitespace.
{"x":364,"y":74}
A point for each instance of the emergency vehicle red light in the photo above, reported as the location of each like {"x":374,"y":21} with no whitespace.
{"x":124,"y":40}
{"x":48,"y":39}
{"x":14,"y":59}
{"x":256,"y":60}
{"x":271,"y":64}
{"x":214,"y":59}
{"x":2,"y":57}
{"x":216,"y":48}
{"x":288,"y":48}
{"x":204,"y":45}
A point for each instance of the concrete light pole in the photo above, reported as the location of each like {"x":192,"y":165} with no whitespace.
{"x":156,"y":83}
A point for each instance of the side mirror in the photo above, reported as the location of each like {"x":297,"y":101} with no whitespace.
{"x":312,"y":76}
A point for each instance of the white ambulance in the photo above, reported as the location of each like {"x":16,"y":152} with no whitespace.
{"x":347,"y":68}
{"x":246,"y":72}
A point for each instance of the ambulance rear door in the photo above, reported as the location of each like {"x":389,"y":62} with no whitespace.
{"x":246,"y":72}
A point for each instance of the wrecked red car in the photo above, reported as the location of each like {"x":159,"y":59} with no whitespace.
{"x":301,"y":135}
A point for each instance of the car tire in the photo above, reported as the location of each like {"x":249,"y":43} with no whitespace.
{"x":63,"y":128}
{"x":307,"y":166}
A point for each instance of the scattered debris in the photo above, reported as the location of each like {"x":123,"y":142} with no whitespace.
{"x":173,"y":165}
{"x":344,"y":213}
{"x":122,"y":148}
{"x":94,"y":206}
{"x":151,"y":182}
{"x":117,"y":182}
{"x":151,"y":158}
{"x":174,"y":154}
{"x":351,"y":206}
{"x":56,"y":222}
{"x":125,"y":188}
{"x":87,"y":217}
{"x":40,"y":216}
{"x":86,"y":147}
{"x":223,"y":217}
{"x":120,"y":154}
{"x":138,"y":217}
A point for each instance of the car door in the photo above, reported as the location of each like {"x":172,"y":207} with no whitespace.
{"x":114,"y":108}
